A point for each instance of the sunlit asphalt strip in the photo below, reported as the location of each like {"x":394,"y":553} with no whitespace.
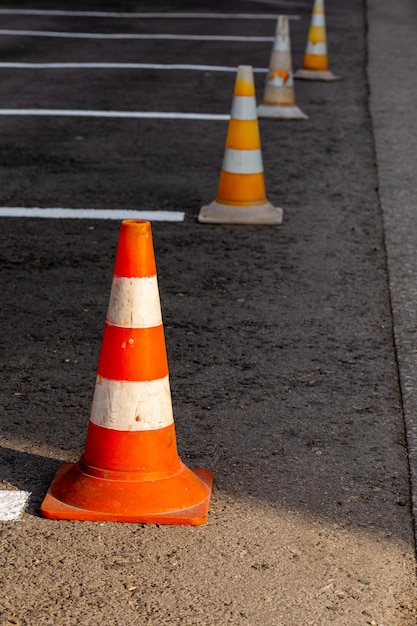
{"x":126,"y":66}
{"x":118,"y":15}
{"x":12,"y":504}
{"x":131,"y":36}
{"x":93,"y":214}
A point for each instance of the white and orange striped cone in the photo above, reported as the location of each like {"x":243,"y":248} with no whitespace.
{"x":279,"y":94}
{"x":241,"y":195}
{"x":130,"y":470}
{"x":316,"y":62}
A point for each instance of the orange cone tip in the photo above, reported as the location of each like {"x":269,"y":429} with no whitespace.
{"x":241,"y":197}
{"x":130,"y":470}
{"x":279,"y":96}
{"x":316,"y":63}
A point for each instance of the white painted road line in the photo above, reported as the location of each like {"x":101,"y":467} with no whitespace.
{"x":93,"y":214}
{"x":282,"y":3}
{"x":126,"y":66}
{"x":159,"y":16}
{"x":130,"y":36}
{"x":150,"y":115}
{"x":12,"y":504}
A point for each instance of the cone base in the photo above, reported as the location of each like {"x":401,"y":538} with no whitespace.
{"x":219,"y":213}
{"x":180,"y":499}
{"x":325,"y":75}
{"x":281,"y":112}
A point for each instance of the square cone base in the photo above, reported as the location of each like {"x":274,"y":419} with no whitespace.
{"x":316,"y":75}
{"x":281,"y":112}
{"x":221,"y":213}
{"x":129,"y":501}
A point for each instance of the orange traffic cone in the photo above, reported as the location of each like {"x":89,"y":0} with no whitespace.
{"x":241,"y":195}
{"x":130,"y":470}
{"x":279,"y":96}
{"x":316,"y":63}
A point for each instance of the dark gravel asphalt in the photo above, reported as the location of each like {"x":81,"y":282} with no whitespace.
{"x":280,"y":343}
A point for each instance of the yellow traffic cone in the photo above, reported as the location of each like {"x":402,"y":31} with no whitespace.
{"x":279,"y":96}
{"x":316,"y":63}
{"x":241,"y":195}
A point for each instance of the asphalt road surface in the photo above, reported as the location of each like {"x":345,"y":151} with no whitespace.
{"x":285,"y":377}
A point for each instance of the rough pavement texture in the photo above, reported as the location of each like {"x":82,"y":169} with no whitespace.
{"x":393,"y":117}
{"x":282,"y":364}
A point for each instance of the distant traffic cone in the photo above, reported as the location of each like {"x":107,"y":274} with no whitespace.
{"x":241,"y":195}
{"x":279,"y":95}
{"x":130,"y":470}
{"x":316,"y":63}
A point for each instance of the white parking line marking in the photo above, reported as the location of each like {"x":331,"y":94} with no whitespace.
{"x":284,"y":3}
{"x":130,"y":36}
{"x":95,"y":214}
{"x":127,"y":66}
{"x":12,"y":504}
{"x":176,"y":15}
{"x":152,"y":115}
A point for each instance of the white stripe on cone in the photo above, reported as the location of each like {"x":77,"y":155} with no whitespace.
{"x":134,"y":303}
{"x":243,"y":108}
{"x":281,"y":44}
{"x":316,"y":48}
{"x":276,"y":80}
{"x":132,"y":406}
{"x":242,"y":161}
{"x":318,"y":19}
